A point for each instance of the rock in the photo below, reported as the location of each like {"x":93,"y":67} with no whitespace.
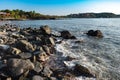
{"x":15,"y":35}
{"x":38,"y":67}
{"x":4,"y":47}
{"x":46,"y":71}
{"x":79,"y":41}
{"x":46,"y":49}
{"x":37,"y":77}
{"x":67,"y":35}
{"x":12,"y":50}
{"x":25,"y":46}
{"x":24,"y":33}
{"x":9,"y":78}
{"x":69,"y":58}
{"x":17,"y":67}
{"x":80,"y":70}
{"x":96,"y":33}
{"x":1,"y":41}
{"x":25,"y":55}
{"x":24,"y":75}
{"x":53,"y":78}
{"x":42,"y":56}
{"x":49,"y":41}
{"x":2,"y":64}
{"x":46,"y":29}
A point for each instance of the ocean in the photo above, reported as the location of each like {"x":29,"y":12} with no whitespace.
{"x":100,"y":55}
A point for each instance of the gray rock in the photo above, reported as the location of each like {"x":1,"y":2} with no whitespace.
{"x":42,"y":56}
{"x":50,"y":41}
{"x":53,"y":78}
{"x":24,"y":45}
{"x":14,"y":51}
{"x":46,"y":29}
{"x":46,"y":71}
{"x":38,"y":67}
{"x":4,"y":47}
{"x":25,"y":55}
{"x":1,"y":41}
{"x":46,"y":49}
{"x":67,"y":35}
{"x":18,"y":66}
{"x":96,"y":33}
{"x":36,"y":77}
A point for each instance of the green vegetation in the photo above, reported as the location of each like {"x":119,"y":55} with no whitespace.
{"x":20,"y":14}
{"x":93,"y":15}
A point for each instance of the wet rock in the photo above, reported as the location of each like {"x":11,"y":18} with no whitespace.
{"x":4,"y":47}
{"x":38,"y":67}
{"x":46,"y":30}
{"x":67,"y":35}
{"x":25,"y":46}
{"x":25,"y":55}
{"x":12,"y":50}
{"x":17,"y":67}
{"x":9,"y":78}
{"x":24,"y":33}
{"x":1,"y":41}
{"x":80,"y":70}
{"x":2,"y":64}
{"x":49,"y":41}
{"x":15,"y":35}
{"x":42,"y":56}
{"x":24,"y":75}
{"x":96,"y":33}
{"x":37,"y":77}
{"x":53,"y":78}
{"x":46,"y":49}
{"x":69,"y":58}
{"x":46,"y":71}
{"x":79,"y":41}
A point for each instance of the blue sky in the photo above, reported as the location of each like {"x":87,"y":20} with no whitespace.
{"x":63,"y":7}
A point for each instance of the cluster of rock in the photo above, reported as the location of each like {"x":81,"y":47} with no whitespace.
{"x":96,"y":33}
{"x":25,"y":54}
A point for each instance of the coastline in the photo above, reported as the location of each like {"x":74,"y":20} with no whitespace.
{"x":34,"y":49}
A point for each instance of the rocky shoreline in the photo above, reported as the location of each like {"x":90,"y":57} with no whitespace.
{"x":30,"y":54}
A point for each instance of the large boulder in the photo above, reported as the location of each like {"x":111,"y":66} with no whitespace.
{"x":81,"y":70}
{"x":67,"y":35}
{"x":46,"y":30}
{"x":25,"y":46}
{"x":17,"y":67}
{"x":96,"y":33}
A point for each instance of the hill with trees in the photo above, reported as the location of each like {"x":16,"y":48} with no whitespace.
{"x":93,"y":15}
{"x":20,"y":14}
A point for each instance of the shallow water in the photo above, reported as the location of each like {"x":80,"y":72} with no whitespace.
{"x":102,"y":56}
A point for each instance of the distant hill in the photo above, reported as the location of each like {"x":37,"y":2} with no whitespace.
{"x":93,"y":15}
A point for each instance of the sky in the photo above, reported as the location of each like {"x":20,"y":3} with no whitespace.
{"x":62,"y":7}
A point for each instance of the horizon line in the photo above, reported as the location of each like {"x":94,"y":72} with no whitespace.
{"x":58,"y":14}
